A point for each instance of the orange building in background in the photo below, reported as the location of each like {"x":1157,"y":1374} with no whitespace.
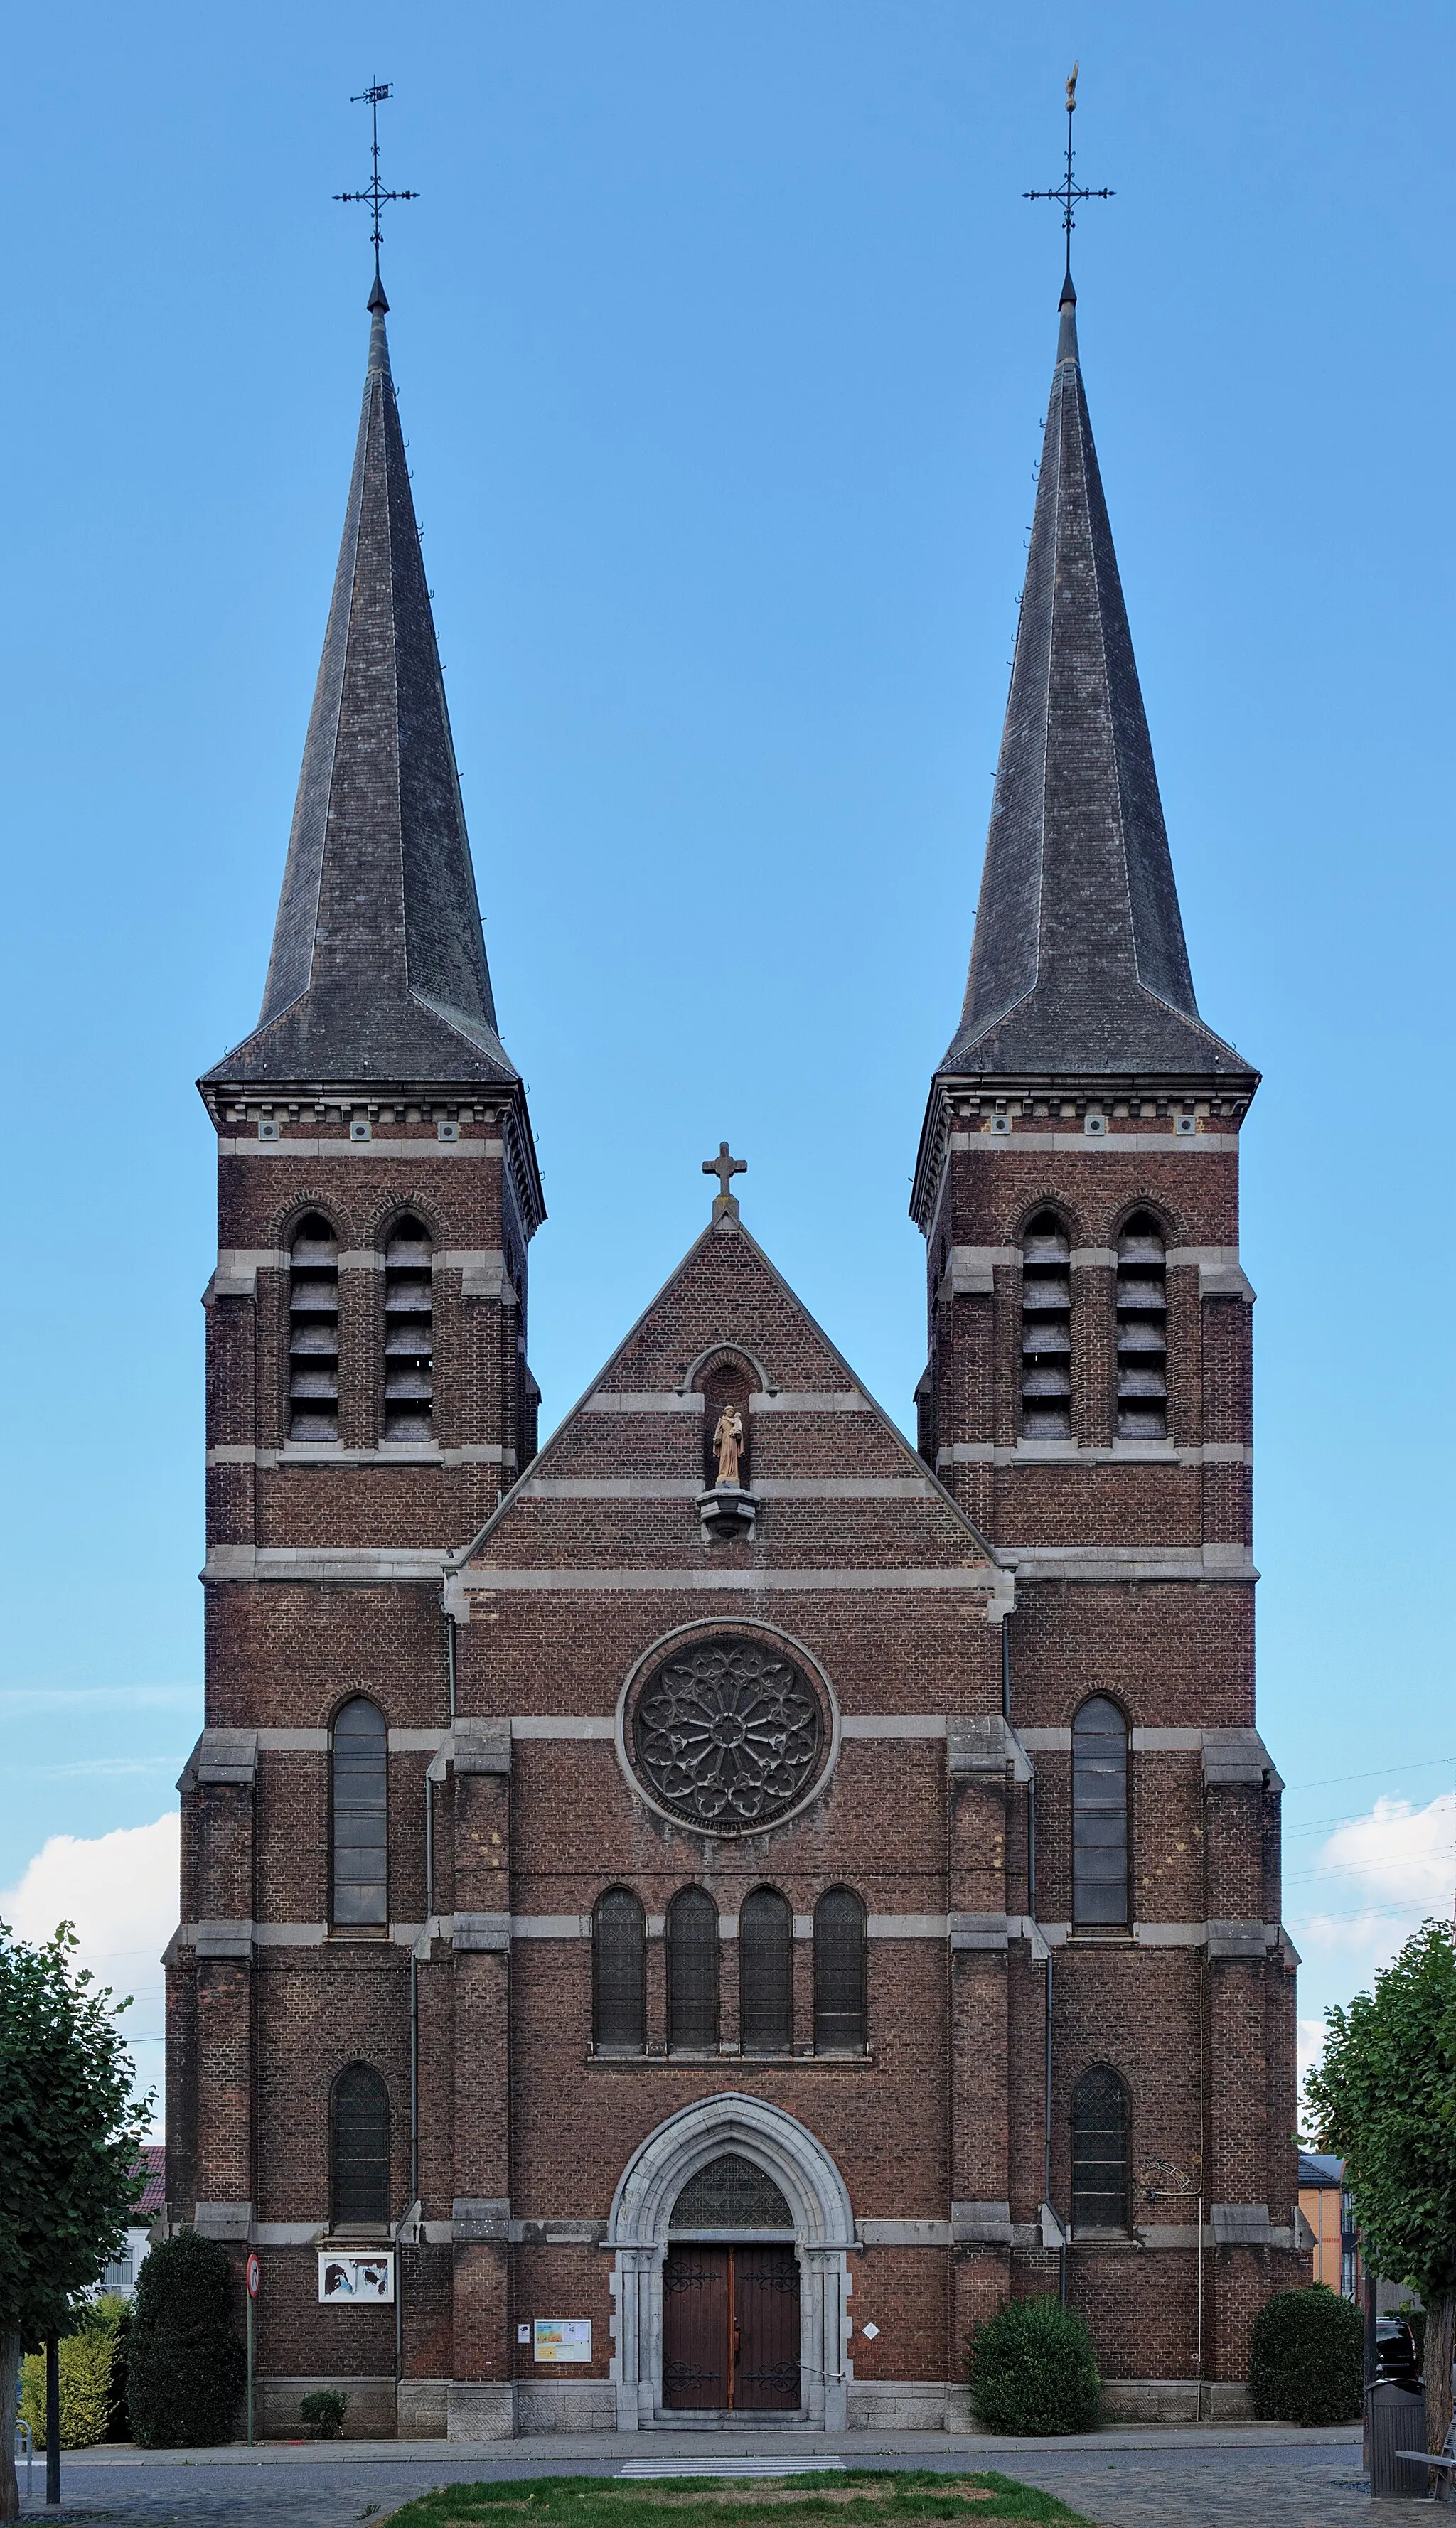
{"x":1325,"y":2201}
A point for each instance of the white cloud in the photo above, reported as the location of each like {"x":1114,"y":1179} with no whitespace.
{"x":1375,"y":1879}
{"x":1398,"y":1855}
{"x":121,"y":1892}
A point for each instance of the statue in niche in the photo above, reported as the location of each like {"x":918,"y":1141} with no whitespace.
{"x":728,"y":1444}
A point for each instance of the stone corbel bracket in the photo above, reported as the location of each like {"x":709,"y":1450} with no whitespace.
{"x":727,"y":1512}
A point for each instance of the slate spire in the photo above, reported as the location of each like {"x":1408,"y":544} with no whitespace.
{"x":379,"y":961}
{"x":1078,"y":962}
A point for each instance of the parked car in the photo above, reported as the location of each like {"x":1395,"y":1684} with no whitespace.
{"x":1396,"y":2352}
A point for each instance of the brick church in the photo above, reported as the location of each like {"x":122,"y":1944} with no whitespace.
{"x":679,"y":1921}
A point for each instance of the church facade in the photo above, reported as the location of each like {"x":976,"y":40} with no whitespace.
{"x":680,"y":1923}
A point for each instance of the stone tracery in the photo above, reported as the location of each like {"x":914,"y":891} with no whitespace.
{"x":728,"y":1733}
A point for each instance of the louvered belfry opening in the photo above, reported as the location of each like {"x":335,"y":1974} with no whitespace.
{"x":360,"y":2149}
{"x":1099,"y":2153}
{"x":313,"y":1331}
{"x":841,"y":2000}
{"x":619,"y":2005}
{"x":691,"y":1973}
{"x":1099,"y":1813}
{"x":1142,"y":1331}
{"x":765,"y":1973}
{"x":360,"y":1815}
{"x":409,"y":1332}
{"x":1046,"y":1329}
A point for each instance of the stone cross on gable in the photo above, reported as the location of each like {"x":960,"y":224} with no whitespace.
{"x":725,"y":1169}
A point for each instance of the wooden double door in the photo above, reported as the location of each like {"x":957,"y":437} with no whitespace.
{"x":730,"y":2330}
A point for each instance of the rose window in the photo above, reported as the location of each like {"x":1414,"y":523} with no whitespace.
{"x":728,"y":1733}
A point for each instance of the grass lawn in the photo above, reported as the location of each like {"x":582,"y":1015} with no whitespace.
{"x":856,"y":2497}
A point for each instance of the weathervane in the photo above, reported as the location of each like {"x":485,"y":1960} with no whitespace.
{"x":1068,"y":192}
{"x":375,"y":195}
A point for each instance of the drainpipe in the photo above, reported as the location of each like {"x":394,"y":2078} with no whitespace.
{"x":1031,"y":1852}
{"x":1006,"y":1667}
{"x":1047,"y":2120}
{"x":414,"y":2077}
{"x":449,"y":1652}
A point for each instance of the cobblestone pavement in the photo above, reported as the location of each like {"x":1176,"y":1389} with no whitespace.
{"x":1311,"y":2485}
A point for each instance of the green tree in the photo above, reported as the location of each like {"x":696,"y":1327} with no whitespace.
{"x":1384,"y":2096}
{"x":68,"y":2146}
{"x":185,"y":2365}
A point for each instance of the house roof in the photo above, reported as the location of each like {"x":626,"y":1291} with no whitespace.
{"x":151,"y":2168}
{"x":1320,"y":2168}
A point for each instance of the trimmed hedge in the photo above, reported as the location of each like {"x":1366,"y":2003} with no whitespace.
{"x":1033,"y":2371}
{"x":1307,"y":2358}
{"x":85,"y":2389}
{"x":185,"y":2365}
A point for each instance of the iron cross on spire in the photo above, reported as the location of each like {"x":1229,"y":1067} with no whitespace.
{"x":1070,"y":192}
{"x":725,"y":1170}
{"x":375,"y":193}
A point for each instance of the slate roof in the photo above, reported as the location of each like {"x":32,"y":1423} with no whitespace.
{"x":1078,"y":963}
{"x":379,"y":961}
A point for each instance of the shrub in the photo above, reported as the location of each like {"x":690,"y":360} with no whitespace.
{"x":185,"y":2364}
{"x":322,"y":2414}
{"x":110,"y":2314}
{"x":1307,"y":2358}
{"x":1033,"y":2371}
{"x":86,"y":2389}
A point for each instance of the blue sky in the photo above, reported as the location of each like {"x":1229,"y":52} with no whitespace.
{"x":722,"y":338}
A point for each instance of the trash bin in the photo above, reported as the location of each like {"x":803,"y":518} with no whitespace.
{"x":1394,"y":2418}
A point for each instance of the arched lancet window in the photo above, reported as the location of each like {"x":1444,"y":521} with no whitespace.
{"x":359,"y":2148}
{"x":1099,"y":2153}
{"x":765,"y":1973}
{"x":692,"y":1972}
{"x":620,"y":2008}
{"x":1099,"y":1813}
{"x":313,"y":1331}
{"x":1046,"y":1329}
{"x":1142,"y":1331}
{"x":360,"y":1815}
{"x":409,"y":1332}
{"x":841,"y":2007}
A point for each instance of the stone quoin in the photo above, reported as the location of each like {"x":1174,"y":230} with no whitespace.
{"x":721,"y":1901}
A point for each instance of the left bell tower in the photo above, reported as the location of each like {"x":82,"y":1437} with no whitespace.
{"x":369,"y":1398}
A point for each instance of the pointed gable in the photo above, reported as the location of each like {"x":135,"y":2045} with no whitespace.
{"x":840,"y":1487}
{"x":379,"y":959}
{"x":1079,"y":961}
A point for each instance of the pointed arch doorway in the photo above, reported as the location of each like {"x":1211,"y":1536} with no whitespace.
{"x":730,"y":2304}
{"x":731,"y":2225}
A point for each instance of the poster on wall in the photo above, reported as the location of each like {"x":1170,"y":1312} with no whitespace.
{"x":350,"y":2282}
{"x":563,"y":2339}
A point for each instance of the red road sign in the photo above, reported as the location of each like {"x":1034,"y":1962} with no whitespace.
{"x":252,"y":2276}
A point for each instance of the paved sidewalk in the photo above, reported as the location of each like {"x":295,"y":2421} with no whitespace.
{"x":1229,"y":2477}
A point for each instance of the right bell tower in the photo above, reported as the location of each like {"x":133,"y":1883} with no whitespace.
{"x":1087,"y":1400}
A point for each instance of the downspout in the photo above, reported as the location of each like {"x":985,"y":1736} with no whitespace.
{"x":414,"y":2077}
{"x":1201,"y":2043}
{"x":449,"y":1652}
{"x":1006,"y":1667}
